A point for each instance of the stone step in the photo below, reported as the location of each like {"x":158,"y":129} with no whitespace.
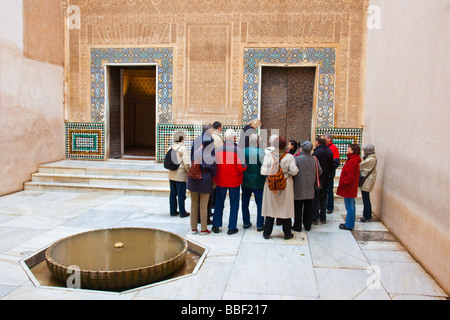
{"x":131,"y":180}
{"x":106,"y":168}
{"x":104,"y":188}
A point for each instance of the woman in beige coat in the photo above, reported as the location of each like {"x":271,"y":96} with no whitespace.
{"x":280,"y":204}
{"x":178,"y":178}
{"x":368,"y":169}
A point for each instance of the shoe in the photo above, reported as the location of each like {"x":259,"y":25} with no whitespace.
{"x":323,"y":221}
{"x":329,"y":211}
{"x":185,"y":215}
{"x":260,"y":229}
{"x":288,"y":236}
{"x":307,"y":229}
{"x":232,"y":231}
{"x":174,"y":215}
{"x":266,"y":236}
{"x":297,"y":229}
{"x":205,"y":233}
{"x":194,"y":231}
{"x":315,"y":223}
{"x":248,"y":225}
{"x":343,"y":227}
{"x":365,"y":220}
{"x":215,"y":229}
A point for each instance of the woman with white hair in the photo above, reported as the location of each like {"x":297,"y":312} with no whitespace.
{"x":369,"y":173}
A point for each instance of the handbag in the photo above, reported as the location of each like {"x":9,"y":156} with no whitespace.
{"x":362,"y":179}
{"x":195,"y":171}
{"x":317,"y":185}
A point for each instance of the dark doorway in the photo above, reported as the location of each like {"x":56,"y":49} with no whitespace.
{"x":287,"y":99}
{"x":132,"y":112}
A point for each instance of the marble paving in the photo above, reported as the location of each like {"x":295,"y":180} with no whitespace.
{"x":325,"y":263}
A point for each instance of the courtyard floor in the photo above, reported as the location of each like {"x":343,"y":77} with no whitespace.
{"x":322,"y":264}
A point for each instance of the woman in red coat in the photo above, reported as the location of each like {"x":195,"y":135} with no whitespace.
{"x":348,"y":185}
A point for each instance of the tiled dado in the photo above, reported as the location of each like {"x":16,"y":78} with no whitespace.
{"x":324,"y":58}
{"x":342,"y":138}
{"x":85,"y":141}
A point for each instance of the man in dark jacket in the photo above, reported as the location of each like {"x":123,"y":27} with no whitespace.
{"x":336,"y":164}
{"x":325,"y":157}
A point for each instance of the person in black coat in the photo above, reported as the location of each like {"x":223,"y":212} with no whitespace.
{"x":325,"y":157}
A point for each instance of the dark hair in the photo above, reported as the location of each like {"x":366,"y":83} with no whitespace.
{"x":356,"y":148}
{"x":281,"y":143}
{"x":321,"y":139}
{"x":216,"y":125}
{"x":295,"y":145}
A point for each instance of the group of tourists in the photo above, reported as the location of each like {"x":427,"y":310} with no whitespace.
{"x":292,"y":183}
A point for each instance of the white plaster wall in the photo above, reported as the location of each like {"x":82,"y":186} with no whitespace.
{"x":31,"y":105}
{"x":407,"y":114}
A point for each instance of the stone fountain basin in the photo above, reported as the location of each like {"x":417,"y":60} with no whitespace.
{"x":117,"y":259}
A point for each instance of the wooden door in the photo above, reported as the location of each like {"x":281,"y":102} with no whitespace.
{"x":115,"y":117}
{"x":287,"y":99}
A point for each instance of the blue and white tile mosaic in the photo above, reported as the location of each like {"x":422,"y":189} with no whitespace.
{"x":162,"y":57}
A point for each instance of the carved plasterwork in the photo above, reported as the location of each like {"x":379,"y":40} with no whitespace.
{"x":208,"y":39}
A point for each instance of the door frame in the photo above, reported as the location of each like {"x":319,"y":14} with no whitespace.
{"x":107,"y":107}
{"x":315,"y":95}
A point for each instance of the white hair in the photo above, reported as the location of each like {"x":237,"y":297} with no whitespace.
{"x":229,"y":134}
{"x":253,"y":140}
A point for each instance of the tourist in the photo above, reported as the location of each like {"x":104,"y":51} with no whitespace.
{"x":248,"y":130}
{"x":304,"y":186}
{"x":253,"y":182}
{"x":369,"y":172}
{"x":178,"y":178}
{"x":279,"y":204}
{"x":216,"y":134}
{"x":230,"y":168}
{"x":332,"y":175}
{"x":325,"y":157}
{"x":201,"y":188}
{"x":348,"y":185}
{"x":293,"y":148}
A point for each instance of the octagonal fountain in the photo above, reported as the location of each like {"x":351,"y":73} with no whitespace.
{"x":117,"y":259}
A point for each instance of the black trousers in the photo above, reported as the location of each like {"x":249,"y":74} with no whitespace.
{"x":320,"y":205}
{"x":268,"y":226}
{"x":303,"y":214}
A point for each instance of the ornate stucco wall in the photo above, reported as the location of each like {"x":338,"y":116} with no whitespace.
{"x":204,"y":45}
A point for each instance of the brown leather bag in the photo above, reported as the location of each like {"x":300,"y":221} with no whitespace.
{"x":195,"y":171}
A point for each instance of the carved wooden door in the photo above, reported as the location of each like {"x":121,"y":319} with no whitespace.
{"x":287,"y":98}
{"x":115,"y":113}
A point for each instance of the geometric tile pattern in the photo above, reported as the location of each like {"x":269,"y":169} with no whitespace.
{"x":85,"y":140}
{"x":324,"y":58}
{"x":165,"y":133}
{"x":342,"y":137}
{"x":163,"y":57}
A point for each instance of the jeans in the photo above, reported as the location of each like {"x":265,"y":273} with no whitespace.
{"x":367,"y":212}
{"x":330,"y":194}
{"x":177,"y":190}
{"x":350,"y":206}
{"x":246,"y":194}
{"x":221,"y":193}
{"x":303,"y":213}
